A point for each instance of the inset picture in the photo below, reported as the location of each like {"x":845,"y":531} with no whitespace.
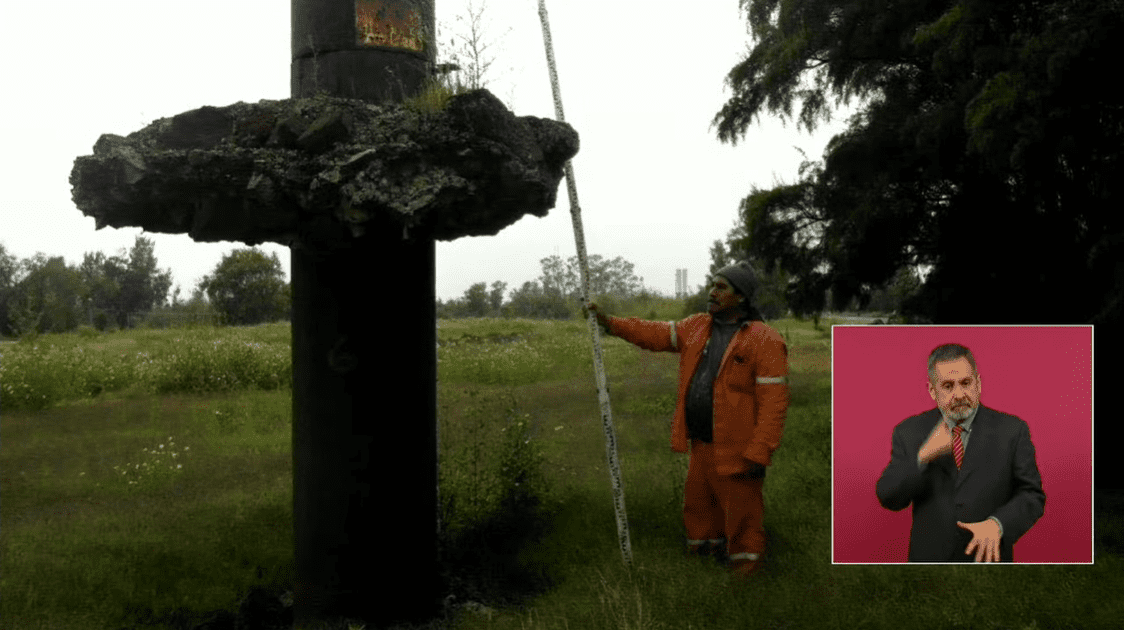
{"x":956,"y":444}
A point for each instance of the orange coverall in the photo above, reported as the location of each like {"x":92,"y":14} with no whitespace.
{"x":750,"y":395}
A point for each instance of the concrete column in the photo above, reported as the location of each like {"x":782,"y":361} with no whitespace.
{"x":373,"y":50}
{"x":364,"y":366}
{"x":364,"y":432}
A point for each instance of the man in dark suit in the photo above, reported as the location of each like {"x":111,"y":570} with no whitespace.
{"x":968,"y":470}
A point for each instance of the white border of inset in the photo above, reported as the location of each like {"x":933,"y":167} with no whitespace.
{"x":1092,"y":440}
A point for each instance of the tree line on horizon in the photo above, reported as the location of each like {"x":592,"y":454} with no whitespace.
{"x":556,"y":294}
{"x":43,"y":294}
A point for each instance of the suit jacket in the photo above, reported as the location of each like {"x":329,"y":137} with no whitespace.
{"x":998,"y":477}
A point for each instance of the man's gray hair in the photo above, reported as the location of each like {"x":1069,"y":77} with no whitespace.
{"x":949,"y":352}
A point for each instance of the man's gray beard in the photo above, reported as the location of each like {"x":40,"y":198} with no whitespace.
{"x":960,"y":415}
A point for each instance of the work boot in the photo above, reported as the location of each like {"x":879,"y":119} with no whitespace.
{"x":743,"y":567}
{"x":713,"y":550}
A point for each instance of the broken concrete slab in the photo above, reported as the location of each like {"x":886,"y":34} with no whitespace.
{"x":320,"y":172}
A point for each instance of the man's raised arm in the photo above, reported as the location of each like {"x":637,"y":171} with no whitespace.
{"x":655,"y":336}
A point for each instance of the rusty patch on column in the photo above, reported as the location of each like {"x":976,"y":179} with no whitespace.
{"x":376,"y":24}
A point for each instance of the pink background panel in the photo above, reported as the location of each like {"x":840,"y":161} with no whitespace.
{"x":1043,"y":375}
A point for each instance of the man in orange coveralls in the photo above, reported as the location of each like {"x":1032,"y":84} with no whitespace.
{"x":733,"y":399}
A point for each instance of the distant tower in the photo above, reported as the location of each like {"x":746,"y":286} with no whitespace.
{"x":680,"y":283}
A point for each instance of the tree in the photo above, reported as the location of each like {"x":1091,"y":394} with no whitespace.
{"x":100,"y":303}
{"x":987,"y":146}
{"x":470,"y":52}
{"x":530,"y":300}
{"x":247,"y":288}
{"x":476,"y":300}
{"x":47,"y":299}
{"x":606,"y":277}
{"x":143,"y":286}
{"x":99,"y":292}
{"x":9,"y":267}
{"x":891,"y":297}
{"x":495,"y":297}
{"x":555,"y":279}
{"x":719,"y":258}
{"x":119,"y":288}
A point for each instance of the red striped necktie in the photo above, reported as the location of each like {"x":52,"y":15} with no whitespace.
{"x":957,"y":445}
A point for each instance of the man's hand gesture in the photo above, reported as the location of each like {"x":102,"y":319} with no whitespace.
{"x":985,"y":540}
{"x":939,"y":443}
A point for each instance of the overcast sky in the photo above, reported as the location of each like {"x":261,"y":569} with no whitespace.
{"x":641,"y":82}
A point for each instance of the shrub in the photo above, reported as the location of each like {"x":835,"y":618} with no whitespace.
{"x":434,"y":97}
{"x":86,"y":332}
{"x":36,"y":374}
{"x":490,"y":467}
{"x":495,"y":499}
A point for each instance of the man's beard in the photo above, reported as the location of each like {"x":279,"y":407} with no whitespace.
{"x":960,"y":413}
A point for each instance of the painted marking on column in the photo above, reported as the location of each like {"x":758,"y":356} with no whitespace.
{"x":376,"y":25}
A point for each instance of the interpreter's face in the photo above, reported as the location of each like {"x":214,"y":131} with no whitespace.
{"x":957,"y":388}
{"x":722,"y":297}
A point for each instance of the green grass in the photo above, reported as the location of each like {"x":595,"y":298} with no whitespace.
{"x":100,"y":518}
{"x":528,"y":523}
{"x":66,"y":368}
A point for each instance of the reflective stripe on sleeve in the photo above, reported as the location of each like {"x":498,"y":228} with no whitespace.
{"x":770,"y":380}
{"x":674,"y":340}
{"x":753,"y":557}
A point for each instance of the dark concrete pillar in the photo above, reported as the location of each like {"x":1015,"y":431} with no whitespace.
{"x":364,"y":360}
{"x":364,"y":432}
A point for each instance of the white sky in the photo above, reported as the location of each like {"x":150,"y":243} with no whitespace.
{"x":641,"y":82}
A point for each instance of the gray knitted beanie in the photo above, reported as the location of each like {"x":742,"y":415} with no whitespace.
{"x":741,"y":275}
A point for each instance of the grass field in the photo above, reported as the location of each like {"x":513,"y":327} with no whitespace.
{"x":146,"y":481}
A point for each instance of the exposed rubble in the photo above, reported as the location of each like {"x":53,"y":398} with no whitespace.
{"x":320,"y":172}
